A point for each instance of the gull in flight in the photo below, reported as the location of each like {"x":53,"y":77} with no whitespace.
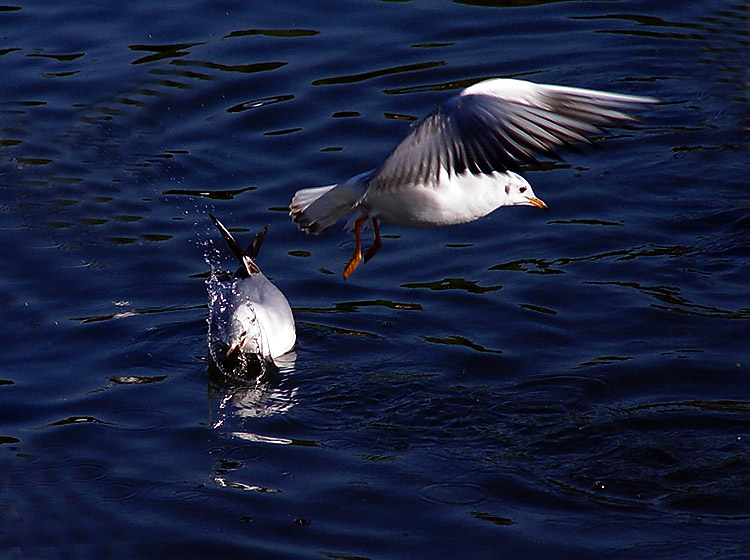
{"x":459,"y":163}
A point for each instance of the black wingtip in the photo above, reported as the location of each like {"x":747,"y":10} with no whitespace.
{"x":245,"y":257}
{"x":254,"y":248}
{"x":228,"y":237}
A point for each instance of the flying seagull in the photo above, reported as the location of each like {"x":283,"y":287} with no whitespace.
{"x":460,"y":162}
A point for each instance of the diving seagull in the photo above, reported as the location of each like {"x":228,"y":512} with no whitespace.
{"x":460,"y":162}
{"x":248,"y":314}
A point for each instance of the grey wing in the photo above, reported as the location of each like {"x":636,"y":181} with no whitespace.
{"x":482,"y":133}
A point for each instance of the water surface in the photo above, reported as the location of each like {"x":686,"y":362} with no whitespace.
{"x":570,"y":384}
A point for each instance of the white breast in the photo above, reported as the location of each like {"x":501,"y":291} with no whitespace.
{"x":454,"y":199}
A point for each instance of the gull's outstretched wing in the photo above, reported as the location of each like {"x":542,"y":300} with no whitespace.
{"x":498,"y":124}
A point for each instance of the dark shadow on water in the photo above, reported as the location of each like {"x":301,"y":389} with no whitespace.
{"x":230,"y":372}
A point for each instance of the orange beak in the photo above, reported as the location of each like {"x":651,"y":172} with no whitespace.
{"x":538,"y":202}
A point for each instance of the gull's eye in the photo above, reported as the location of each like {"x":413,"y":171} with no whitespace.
{"x":522,"y":189}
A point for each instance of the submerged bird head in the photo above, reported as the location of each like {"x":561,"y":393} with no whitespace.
{"x":519,"y":193}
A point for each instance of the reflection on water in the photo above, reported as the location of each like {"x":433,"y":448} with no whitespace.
{"x":470,"y":286}
{"x":541,"y":266}
{"x":459,"y":341}
{"x":238,"y":409}
{"x":677,"y":303}
{"x":127,"y":311}
{"x":226,"y":194}
{"x":258,"y":398}
{"x":377,"y":73}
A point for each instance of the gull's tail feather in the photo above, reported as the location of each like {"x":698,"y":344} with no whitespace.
{"x":316,"y":209}
{"x":246,"y":257}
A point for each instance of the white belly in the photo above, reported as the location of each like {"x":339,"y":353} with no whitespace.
{"x":452,"y":200}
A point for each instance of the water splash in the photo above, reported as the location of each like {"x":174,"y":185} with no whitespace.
{"x":222,"y":321}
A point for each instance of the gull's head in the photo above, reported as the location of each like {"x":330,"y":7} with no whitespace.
{"x":518,"y":192}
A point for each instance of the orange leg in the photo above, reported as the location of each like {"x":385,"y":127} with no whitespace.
{"x":377,"y":244}
{"x":352,"y":265}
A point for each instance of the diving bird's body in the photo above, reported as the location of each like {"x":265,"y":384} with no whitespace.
{"x":248,"y":314}
{"x":459,"y":163}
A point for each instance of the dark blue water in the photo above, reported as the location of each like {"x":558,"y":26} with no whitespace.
{"x":565,"y":385}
